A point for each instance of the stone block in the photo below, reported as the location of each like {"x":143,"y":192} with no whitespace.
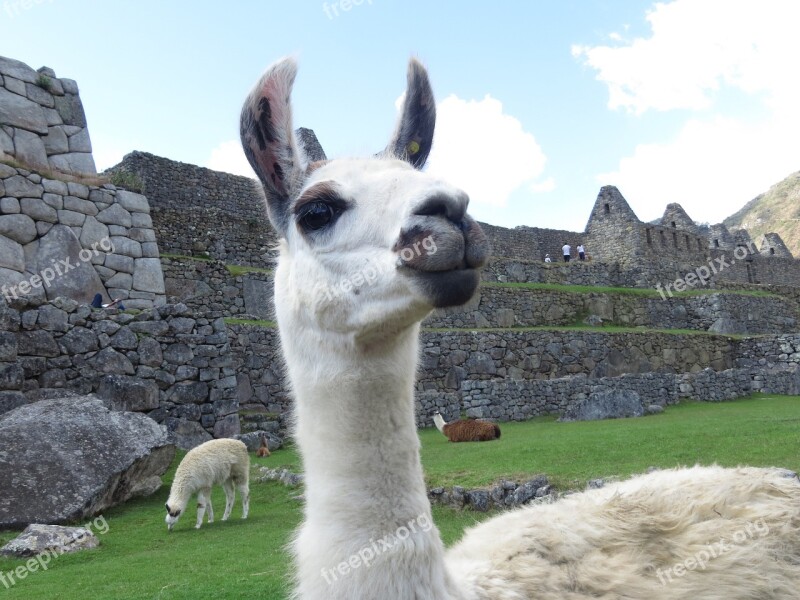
{"x":78,"y":190}
{"x":126,"y":246}
{"x":55,"y":186}
{"x":147,"y":276}
{"x":17,"y":111}
{"x":133,"y":202}
{"x":11,"y":255}
{"x":115,"y":215}
{"x":55,"y":142}
{"x":71,"y":218}
{"x":19,"y":228}
{"x":38,"y":210}
{"x":128,"y":393}
{"x":80,"y":205}
{"x":9,"y":206}
{"x":93,"y":232}
{"x":80,"y":142}
{"x":29,"y":149}
{"x":70,"y":109}
{"x":74,"y":162}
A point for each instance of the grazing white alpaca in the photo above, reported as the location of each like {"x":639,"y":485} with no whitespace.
{"x":701,"y":533}
{"x":216,"y":462}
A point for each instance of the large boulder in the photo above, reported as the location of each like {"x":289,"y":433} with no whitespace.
{"x":609,"y":404}
{"x":60,"y":249}
{"x":69,"y":458}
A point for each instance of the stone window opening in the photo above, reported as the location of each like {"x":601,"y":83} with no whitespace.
{"x":772,"y":251}
{"x":649,"y":238}
{"x":716,"y":243}
{"x":673,"y":224}
{"x":675,"y":239}
{"x":607,"y":207}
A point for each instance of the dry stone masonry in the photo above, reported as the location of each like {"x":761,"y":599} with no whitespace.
{"x":42,"y":123}
{"x":192,"y":262}
{"x":62,"y":238}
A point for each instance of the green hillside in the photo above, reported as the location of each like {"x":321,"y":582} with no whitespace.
{"x":777,"y":210}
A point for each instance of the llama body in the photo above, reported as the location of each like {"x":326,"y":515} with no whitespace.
{"x":467,"y":430}
{"x":351,"y":358}
{"x":222,"y":462}
{"x":263,"y":449}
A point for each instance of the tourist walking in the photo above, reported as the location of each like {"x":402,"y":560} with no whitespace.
{"x":581,"y":252}
{"x":566,"y":250}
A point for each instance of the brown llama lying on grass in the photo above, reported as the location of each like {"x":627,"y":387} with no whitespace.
{"x":467,"y":430}
{"x":263,"y":450}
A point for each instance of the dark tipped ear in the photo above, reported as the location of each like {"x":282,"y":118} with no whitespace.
{"x":413,"y":138}
{"x":268,"y":139}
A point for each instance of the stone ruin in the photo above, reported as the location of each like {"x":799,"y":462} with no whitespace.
{"x":199,"y":355}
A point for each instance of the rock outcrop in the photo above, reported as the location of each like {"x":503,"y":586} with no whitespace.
{"x":70,"y":458}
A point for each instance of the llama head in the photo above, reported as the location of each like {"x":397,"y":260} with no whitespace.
{"x":369,"y":246}
{"x":172,"y":516}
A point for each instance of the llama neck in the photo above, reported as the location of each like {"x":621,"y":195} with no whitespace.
{"x":365,"y":493}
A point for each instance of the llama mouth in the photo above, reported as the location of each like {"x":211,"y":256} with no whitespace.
{"x":446,"y":288}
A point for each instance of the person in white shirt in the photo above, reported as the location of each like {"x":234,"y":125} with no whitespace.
{"x":547,"y":258}
{"x":566,"y":250}
{"x":581,"y":252}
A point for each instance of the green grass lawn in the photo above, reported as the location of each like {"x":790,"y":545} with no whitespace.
{"x":139,"y":559}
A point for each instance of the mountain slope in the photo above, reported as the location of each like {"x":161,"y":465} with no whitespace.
{"x":778,"y":210}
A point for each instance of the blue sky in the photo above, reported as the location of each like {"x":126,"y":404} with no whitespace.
{"x":540,"y":102}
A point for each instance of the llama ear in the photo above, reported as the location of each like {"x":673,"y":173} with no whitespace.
{"x":268,"y":140}
{"x":413,"y":138}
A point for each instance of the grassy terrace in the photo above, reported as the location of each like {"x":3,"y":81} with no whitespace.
{"x":608,"y":330}
{"x":237,"y":270}
{"x":649,"y":292}
{"x":239,"y":559}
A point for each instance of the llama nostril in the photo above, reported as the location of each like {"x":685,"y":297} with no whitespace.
{"x":451,"y":207}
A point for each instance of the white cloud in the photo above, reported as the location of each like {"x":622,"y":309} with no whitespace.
{"x":712,"y":167}
{"x":697,"y":47}
{"x":729,"y":62}
{"x":484,"y":151}
{"x":229,"y":157}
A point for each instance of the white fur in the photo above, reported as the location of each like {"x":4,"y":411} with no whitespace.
{"x":351,"y":359}
{"x":438,"y":420}
{"x":216,"y":462}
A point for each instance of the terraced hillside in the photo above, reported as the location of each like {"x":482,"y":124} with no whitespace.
{"x":776,"y":210}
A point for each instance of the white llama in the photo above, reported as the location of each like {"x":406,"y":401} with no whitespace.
{"x":702,"y":533}
{"x":223,"y":461}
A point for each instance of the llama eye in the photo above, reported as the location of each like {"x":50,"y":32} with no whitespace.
{"x":317,"y":215}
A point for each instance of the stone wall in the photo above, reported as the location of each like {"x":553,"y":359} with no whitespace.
{"x":200,"y":212}
{"x":753,"y":269}
{"x":498,"y":305}
{"x":165,"y":361}
{"x":42,"y":123}
{"x":520,"y":399}
{"x":450,"y":357}
{"x":209,"y":288}
{"x":68,"y":239}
